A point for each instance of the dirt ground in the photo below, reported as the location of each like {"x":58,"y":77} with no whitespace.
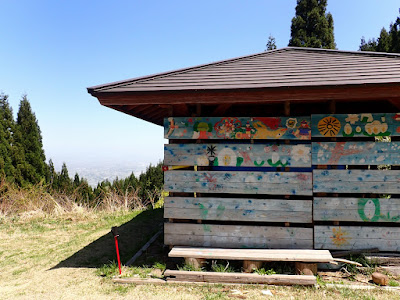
{"x":59,"y":258}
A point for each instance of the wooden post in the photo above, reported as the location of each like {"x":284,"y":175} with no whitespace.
{"x":306,"y":268}
{"x":287,"y":108}
{"x":196,"y":263}
{"x":250,"y":265}
{"x":332,"y":106}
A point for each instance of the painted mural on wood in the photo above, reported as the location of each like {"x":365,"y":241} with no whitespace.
{"x":237,"y":236}
{"x":356,"y":153}
{"x":276,"y":183}
{"x":356,"y":181}
{"x":237,"y":128}
{"x":357,"y":209}
{"x":356,"y":125}
{"x":238,"y":155}
{"x":356,"y":237}
{"x":238,"y":209}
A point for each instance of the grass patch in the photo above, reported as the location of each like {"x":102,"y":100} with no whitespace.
{"x":220,"y":267}
{"x":189,"y":267}
{"x":108,"y":270}
{"x":263,"y":271}
{"x":393,"y":282}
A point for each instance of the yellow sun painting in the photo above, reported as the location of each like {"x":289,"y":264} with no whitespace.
{"x":339,"y":236}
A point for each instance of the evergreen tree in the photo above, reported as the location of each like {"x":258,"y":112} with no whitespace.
{"x":312,"y":26}
{"x":387,"y":41}
{"x":30,"y":159}
{"x":7,"y":127}
{"x":64,"y":181}
{"x":271,"y":43}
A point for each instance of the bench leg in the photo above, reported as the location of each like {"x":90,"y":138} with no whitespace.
{"x":306,"y":268}
{"x":250,"y":265}
{"x":196,"y":263}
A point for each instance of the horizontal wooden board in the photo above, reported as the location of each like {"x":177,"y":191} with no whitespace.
{"x":238,"y":209}
{"x":357,"y":209}
{"x":356,"y":181}
{"x":237,"y":128}
{"x":357,"y":237}
{"x":356,"y":125}
{"x":219,"y":277}
{"x":356,"y":153}
{"x":253,"y":254}
{"x":277,"y":183}
{"x":238,"y":155}
{"x":237,"y":236}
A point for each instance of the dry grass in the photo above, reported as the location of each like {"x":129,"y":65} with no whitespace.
{"x":35,"y":201}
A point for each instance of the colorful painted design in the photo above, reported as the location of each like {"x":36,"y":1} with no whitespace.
{"x":237,"y":128}
{"x":356,"y":125}
{"x":329,"y":126}
{"x":356,"y":209}
{"x":356,"y":153}
{"x":339,"y":236}
{"x":238,"y":155}
{"x":377,"y":216}
{"x":275,"y":183}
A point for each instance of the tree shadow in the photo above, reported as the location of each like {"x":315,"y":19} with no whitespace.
{"x":132,"y":236}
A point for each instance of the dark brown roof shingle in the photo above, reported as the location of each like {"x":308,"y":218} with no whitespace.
{"x":286,"y":67}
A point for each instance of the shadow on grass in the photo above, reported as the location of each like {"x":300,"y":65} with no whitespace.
{"x":132,"y":236}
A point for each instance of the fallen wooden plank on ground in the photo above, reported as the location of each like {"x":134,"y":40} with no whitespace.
{"x":361,"y":287}
{"x":135,"y":280}
{"x":383,"y":259}
{"x":352,"y":252}
{"x":253,"y":254}
{"x":346,"y":261}
{"x":239,"y":278}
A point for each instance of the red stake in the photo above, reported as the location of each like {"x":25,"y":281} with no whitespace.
{"x":116,"y":235}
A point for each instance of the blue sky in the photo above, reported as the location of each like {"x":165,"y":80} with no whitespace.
{"x":53,"y":50}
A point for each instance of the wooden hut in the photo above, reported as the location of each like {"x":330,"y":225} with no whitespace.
{"x":281,"y":149}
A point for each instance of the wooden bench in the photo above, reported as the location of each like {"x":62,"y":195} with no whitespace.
{"x":253,"y":258}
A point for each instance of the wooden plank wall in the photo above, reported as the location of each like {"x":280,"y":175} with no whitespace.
{"x":355,"y":193}
{"x":326,"y":175}
{"x":262,"y":179}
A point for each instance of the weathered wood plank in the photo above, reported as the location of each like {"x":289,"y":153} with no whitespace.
{"x":233,"y":128}
{"x":356,"y":153}
{"x":356,"y":237}
{"x":218,"y":277}
{"x":356,"y":181}
{"x":357,"y":209}
{"x":237,"y":236}
{"x":253,"y":254}
{"x":238,"y":155}
{"x":278,"y":183}
{"x":238,"y":177}
{"x":355,"y":125}
{"x":233,"y":209}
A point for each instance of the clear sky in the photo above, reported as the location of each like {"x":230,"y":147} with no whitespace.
{"x":53,"y":50}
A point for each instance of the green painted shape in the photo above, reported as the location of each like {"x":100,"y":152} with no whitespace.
{"x":220,"y":210}
{"x":204,"y":211}
{"x":361,"y":207}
